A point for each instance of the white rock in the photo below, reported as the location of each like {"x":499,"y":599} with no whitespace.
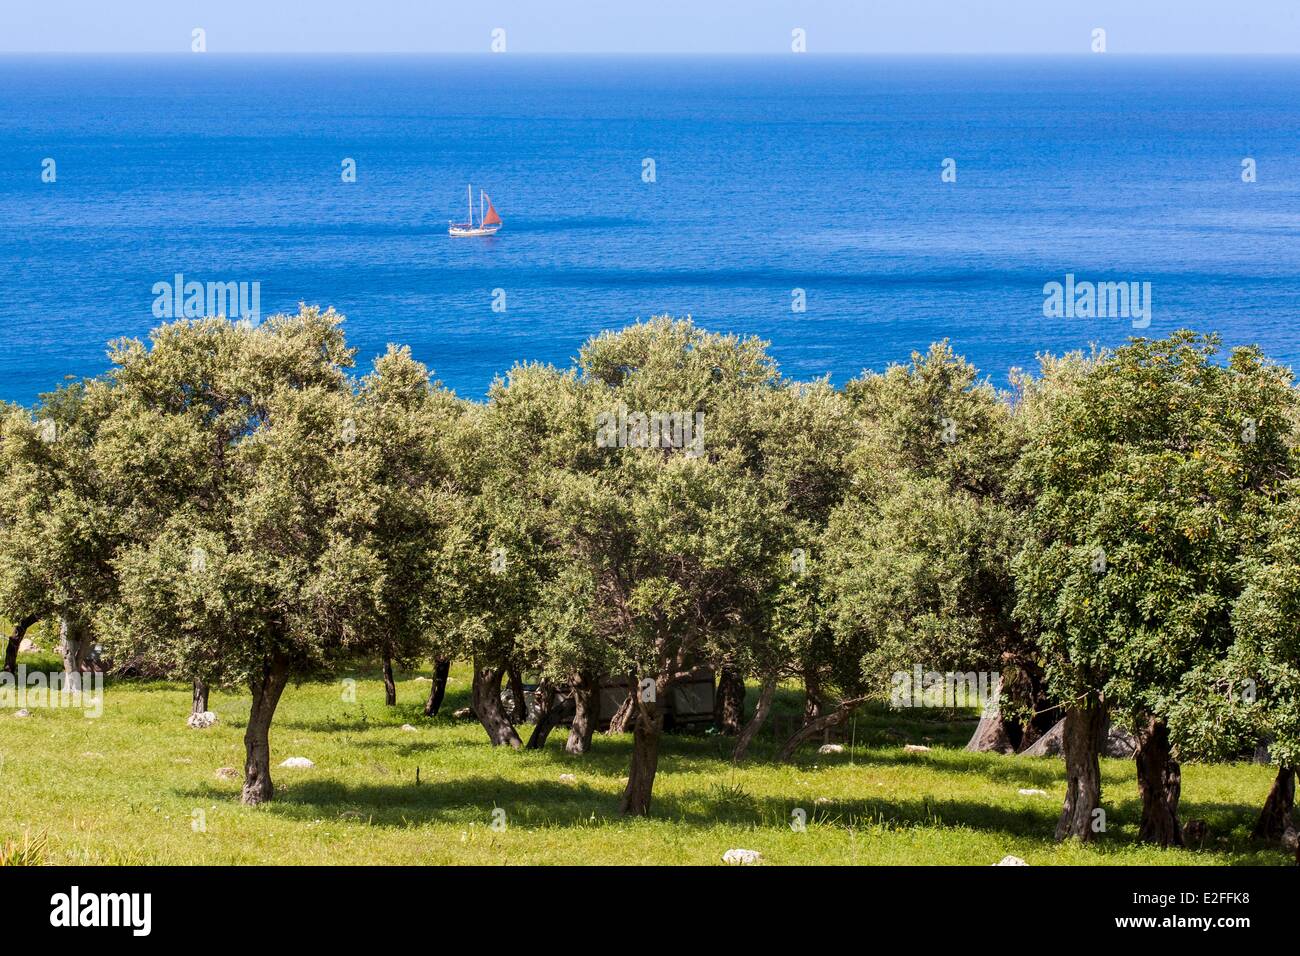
{"x":1010,"y":860}
{"x":201,"y":721}
{"x":297,"y":762}
{"x":422,"y":680}
{"x":831,"y":749}
{"x":26,"y":647}
{"x":1030,"y":792}
{"x":568,"y":778}
{"x":407,"y":727}
{"x":741,"y":857}
{"x":23,"y":713}
{"x":821,"y":800}
{"x":916,"y":748}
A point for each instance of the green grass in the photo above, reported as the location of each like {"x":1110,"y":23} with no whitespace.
{"x":127,"y":787}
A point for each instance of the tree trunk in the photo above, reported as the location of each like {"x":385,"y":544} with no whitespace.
{"x":815,"y":727}
{"x":991,"y":733}
{"x":1276,"y":817}
{"x":200,"y":698}
{"x":548,"y":715}
{"x":1084,"y":732}
{"x":390,"y":686}
{"x":74,"y":645}
{"x":626,"y":710}
{"x":15,"y":642}
{"x":1024,"y":684}
{"x":765,"y":697}
{"x":645,"y":761}
{"x":1159,"y":784}
{"x":586,"y":701}
{"x":729,"y":706}
{"x":438,"y":689}
{"x":267,"y":686}
{"x":518,"y":699}
{"x":486,"y":702}
{"x":812,"y":695}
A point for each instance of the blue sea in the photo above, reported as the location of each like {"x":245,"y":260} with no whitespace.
{"x":771,"y":174}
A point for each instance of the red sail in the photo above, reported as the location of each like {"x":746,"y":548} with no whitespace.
{"x":491,"y":218}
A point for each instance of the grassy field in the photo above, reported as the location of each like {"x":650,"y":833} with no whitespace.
{"x":134,"y":786}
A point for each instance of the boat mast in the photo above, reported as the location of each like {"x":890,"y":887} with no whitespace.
{"x":469,"y":203}
{"x":480,"y":207}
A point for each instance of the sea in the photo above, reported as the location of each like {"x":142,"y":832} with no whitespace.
{"x":849,"y":210}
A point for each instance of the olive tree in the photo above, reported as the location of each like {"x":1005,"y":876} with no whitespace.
{"x":1147,"y":471}
{"x":1251,"y":695}
{"x":57,"y":536}
{"x":663,"y":536}
{"x":402,"y":426}
{"x":917,"y":571}
{"x":267,"y":569}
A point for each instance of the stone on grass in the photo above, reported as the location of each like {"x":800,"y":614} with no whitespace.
{"x":23,"y":713}
{"x":1031,"y":792}
{"x":297,"y":762}
{"x":26,"y":647}
{"x":407,"y":727}
{"x":831,"y":749}
{"x":916,"y":748}
{"x":201,"y":721}
{"x":227,"y":773}
{"x":741,"y":857}
{"x":568,"y":778}
{"x":1010,"y":860}
{"x":463,"y":714}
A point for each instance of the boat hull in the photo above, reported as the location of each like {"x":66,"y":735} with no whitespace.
{"x":460,"y":231}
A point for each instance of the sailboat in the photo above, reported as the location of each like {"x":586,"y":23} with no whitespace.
{"x":488,"y":220}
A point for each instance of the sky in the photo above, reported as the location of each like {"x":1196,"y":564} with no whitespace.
{"x":652,"y":26}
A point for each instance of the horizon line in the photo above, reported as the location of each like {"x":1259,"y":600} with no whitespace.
{"x":763,"y":54}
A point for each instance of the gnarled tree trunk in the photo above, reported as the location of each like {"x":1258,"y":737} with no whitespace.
{"x":1084,"y":732}
{"x":438,"y":689}
{"x":390,"y":686}
{"x":1159,"y":784}
{"x":991,"y":733}
{"x":15,"y":642}
{"x":1277,"y":816}
{"x":517,"y":696}
{"x":548,"y":715}
{"x":200,"y":704}
{"x":1024,"y":684}
{"x":765,"y":697}
{"x":486,"y":702}
{"x":645,"y":761}
{"x":267,"y":686}
{"x":626,"y":710}
{"x":812,"y":699}
{"x":74,"y":646}
{"x":815,"y":727}
{"x":586,"y":701}
{"x":729,"y":705}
